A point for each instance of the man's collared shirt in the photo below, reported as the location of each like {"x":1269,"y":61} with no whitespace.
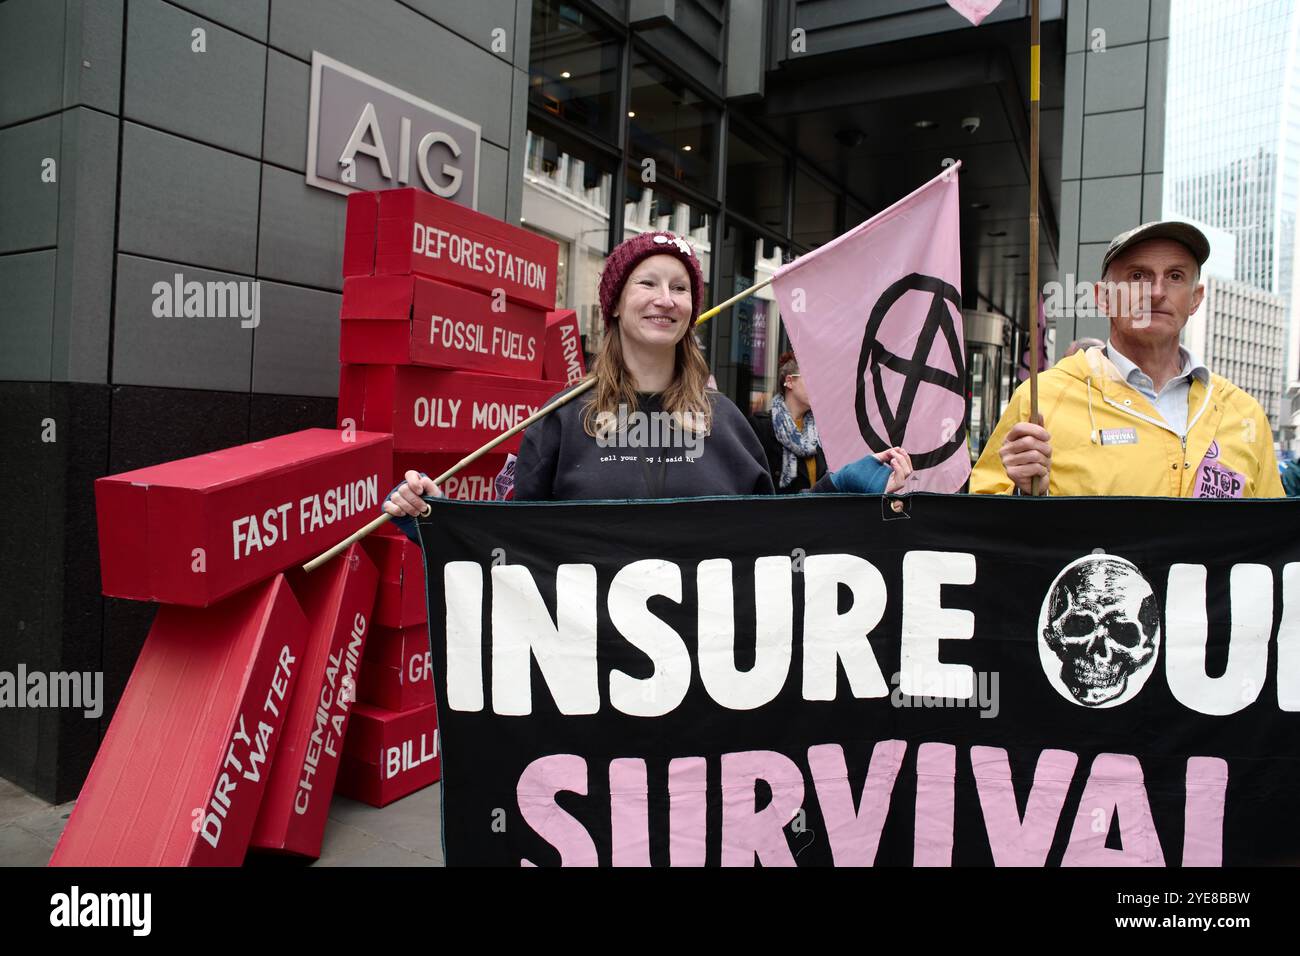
{"x":1170,"y":401}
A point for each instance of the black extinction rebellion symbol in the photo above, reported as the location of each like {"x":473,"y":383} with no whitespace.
{"x":914,"y":370}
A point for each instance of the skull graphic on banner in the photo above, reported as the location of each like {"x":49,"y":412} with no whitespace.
{"x":1099,"y":631}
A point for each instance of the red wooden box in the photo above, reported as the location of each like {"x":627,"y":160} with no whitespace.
{"x":389,"y":755}
{"x":180,"y":775}
{"x":400,"y":601}
{"x":398,"y":675}
{"x":564,"y":361}
{"x":471,"y":483}
{"x":424,"y":234}
{"x":359,"y":234}
{"x":410,"y":320}
{"x":195,"y":530}
{"x":431,"y":410}
{"x":338,"y":600}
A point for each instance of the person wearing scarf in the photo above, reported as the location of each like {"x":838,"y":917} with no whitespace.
{"x":788,"y":433}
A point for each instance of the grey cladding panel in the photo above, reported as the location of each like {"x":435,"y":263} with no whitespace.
{"x":615,"y":8}
{"x":93,"y":58}
{"x":1125,"y":21}
{"x":301,"y":231}
{"x":85,"y":271}
{"x":1109,"y":206}
{"x":1152,"y":197}
{"x":213,"y":96}
{"x":703,"y":67}
{"x":1072,"y":122}
{"x":519,"y":130}
{"x":296,"y":349}
{"x":523,"y":33}
{"x":1076,"y":26}
{"x":1112,"y":144}
{"x":1116,"y":79}
{"x":187,"y":202}
{"x":29,"y":207}
{"x":1157,"y":81}
{"x":476,"y":21}
{"x":402,"y":48}
{"x":27,"y":291}
{"x":208,"y":352}
{"x":288,"y":90}
{"x":702,"y":24}
{"x":492,"y":192}
{"x":246,"y":16}
{"x":31,"y":59}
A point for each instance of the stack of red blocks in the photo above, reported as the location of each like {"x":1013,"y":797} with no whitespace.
{"x":239,"y":720}
{"x":444,"y":344}
{"x":229,"y":731}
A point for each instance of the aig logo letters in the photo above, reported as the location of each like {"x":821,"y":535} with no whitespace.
{"x":366,"y":134}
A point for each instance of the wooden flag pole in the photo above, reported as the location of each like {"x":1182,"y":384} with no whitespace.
{"x":1037,"y":486}
{"x":473,"y":456}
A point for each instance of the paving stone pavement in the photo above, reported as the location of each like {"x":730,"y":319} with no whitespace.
{"x":404,"y":833}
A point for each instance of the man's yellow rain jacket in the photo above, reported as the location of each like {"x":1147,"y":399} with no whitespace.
{"x":1108,"y":439}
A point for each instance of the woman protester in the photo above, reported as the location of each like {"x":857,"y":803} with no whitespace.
{"x":788,"y":433}
{"x":650,"y":428}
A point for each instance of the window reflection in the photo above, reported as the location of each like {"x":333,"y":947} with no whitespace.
{"x":567,"y":198}
{"x":573,"y":68}
{"x":648,"y":209}
{"x":670,"y":126}
{"x":814,"y":212}
{"x":749,"y":333}
{"x":756,"y":181}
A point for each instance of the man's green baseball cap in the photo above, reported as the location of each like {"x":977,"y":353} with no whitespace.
{"x":1183,"y":232}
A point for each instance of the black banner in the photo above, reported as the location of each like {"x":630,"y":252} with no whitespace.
{"x":819,"y":680}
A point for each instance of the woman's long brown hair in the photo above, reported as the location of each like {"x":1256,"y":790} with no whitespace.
{"x":685,"y":399}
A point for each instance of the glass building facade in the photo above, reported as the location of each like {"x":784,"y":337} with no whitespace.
{"x":612,"y":124}
{"x":1232,"y":147}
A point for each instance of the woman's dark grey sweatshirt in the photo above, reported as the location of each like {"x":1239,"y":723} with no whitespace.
{"x":558,"y":461}
{"x":647,"y":457}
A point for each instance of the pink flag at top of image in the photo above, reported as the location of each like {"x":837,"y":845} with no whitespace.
{"x":875,"y":319}
{"x":974,"y":10}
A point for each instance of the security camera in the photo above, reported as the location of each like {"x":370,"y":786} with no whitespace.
{"x":970,"y":124}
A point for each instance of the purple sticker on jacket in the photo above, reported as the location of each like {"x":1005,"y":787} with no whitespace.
{"x":1216,"y":480}
{"x":504,"y":482}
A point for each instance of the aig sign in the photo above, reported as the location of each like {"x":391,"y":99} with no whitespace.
{"x":366,"y":134}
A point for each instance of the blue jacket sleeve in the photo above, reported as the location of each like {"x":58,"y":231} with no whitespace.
{"x":866,"y":476}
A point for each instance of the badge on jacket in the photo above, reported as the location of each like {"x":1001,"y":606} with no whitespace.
{"x":1119,"y":436}
{"x":1216,"y":480}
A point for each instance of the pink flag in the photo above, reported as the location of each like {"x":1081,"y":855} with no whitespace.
{"x":875,"y":318}
{"x":974,"y":10}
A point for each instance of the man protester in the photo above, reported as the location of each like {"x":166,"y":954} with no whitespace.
{"x":1141,"y":416}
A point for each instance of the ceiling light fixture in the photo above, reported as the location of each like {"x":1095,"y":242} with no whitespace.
{"x":566,"y":74}
{"x":925,"y":124}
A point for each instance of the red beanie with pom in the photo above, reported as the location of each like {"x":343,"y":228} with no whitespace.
{"x":628,"y":253}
